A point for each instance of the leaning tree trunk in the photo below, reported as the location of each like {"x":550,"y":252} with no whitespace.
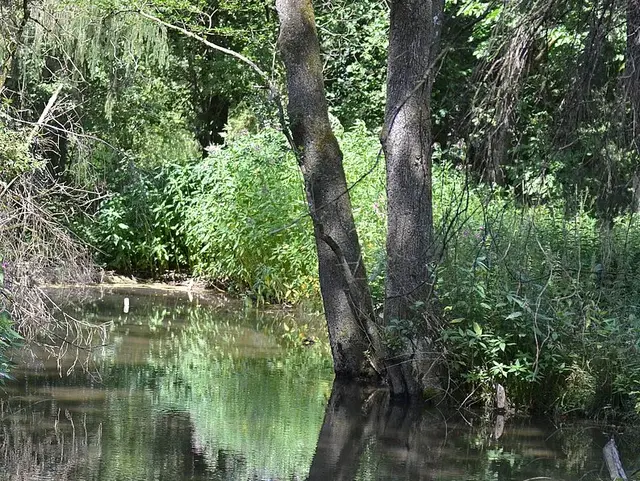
{"x":343,"y":282}
{"x":406,"y":140}
{"x":632,"y":75}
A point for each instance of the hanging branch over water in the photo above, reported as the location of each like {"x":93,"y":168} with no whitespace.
{"x":504,"y":75}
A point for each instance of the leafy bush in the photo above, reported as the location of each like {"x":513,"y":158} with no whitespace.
{"x":15,"y":157}
{"x":246,"y":224}
{"x":138,"y":229}
{"x":544,"y":303}
{"x":237,"y":218}
{"x":541,"y":299}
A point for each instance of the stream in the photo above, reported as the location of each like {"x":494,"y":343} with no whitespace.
{"x":194,"y":387}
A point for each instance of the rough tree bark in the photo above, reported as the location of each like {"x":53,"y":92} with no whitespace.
{"x":343,"y":282}
{"x":406,"y":140}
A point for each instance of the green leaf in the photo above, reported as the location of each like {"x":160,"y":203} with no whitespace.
{"x":477,"y":329}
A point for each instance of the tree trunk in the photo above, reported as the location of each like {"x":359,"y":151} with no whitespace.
{"x":406,"y":140}
{"x":632,"y":75}
{"x":343,"y":282}
{"x":612,"y":460}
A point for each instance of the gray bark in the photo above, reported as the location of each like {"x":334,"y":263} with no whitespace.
{"x":612,"y":460}
{"x":343,"y":281}
{"x":406,"y":140}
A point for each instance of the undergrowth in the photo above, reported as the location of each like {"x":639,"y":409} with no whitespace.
{"x":540,"y":298}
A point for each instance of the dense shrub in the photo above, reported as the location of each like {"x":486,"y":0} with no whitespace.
{"x":237,"y":218}
{"x":538,"y":299}
{"x":246,"y":226}
{"x":546,"y":304}
{"x":139,"y":229}
{"x":247,"y":223}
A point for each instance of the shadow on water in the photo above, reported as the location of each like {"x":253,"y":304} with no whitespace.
{"x":360,"y":423}
{"x":191,"y":390}
{"x":365,"y":436}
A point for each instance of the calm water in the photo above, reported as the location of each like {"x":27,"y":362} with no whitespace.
{"x":189,"y":389}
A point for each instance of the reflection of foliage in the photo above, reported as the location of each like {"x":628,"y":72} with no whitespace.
{"x":528,"y":450}
{"x":193,"y":392}
{"x":243,"y":389}
{"x":59,"y":452}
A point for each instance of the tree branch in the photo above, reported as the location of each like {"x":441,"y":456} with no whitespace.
{"x":274,"y":92}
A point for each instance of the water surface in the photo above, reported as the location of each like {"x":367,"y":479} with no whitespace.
{"x":186,"y":388}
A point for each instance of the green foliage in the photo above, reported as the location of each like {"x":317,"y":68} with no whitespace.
{"x":15,"y":158}
{"x":539,"y":291}
{"x":246,"y":224}
{"x":537,"y":298}
{"x":139,"y":229}
{"x":543,"y":303}
{"x":237,"y":218}
{"x":353,"y":36}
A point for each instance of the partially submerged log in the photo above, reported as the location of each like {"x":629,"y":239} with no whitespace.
{"x":612,"y":460}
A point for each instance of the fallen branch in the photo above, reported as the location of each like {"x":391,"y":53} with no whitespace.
{"x":45,"y":113}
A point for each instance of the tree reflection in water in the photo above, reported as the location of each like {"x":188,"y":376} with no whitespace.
{"x":194,"y":392}
{"x":358,"y":419}
{"x":365,"y":436}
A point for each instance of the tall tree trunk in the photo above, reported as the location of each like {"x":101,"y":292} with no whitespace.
{"x":406,"y":140}
{"x":633,"y":89}
{"x":343,"y":282}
